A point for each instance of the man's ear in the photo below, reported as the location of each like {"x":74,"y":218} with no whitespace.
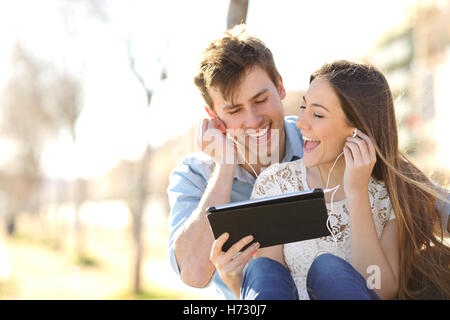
{"x":210,"y":113}
{"x":281,"y":89}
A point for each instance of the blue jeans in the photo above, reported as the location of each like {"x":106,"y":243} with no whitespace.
{"x":267,"y":279}
{"x":329,"y":278}
{"x":333,"y":278}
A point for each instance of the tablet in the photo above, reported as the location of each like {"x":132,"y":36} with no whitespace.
{"x":273,"y":220}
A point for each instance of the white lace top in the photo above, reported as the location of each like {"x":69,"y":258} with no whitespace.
{"x":289,"y":177}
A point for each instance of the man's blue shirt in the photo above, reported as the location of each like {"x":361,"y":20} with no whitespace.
{"x":188,"y":182}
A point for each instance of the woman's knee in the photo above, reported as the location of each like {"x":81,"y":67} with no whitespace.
{"x":325,"y":263}
{"x":331,"y":277}
{"x":267,"y":279}
{"x":265,"y":268}
{"x":324,"y":268}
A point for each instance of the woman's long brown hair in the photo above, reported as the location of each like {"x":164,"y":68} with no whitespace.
{"x":366,"y":100}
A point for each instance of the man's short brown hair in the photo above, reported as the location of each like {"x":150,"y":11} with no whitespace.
{"x":226,"y":60}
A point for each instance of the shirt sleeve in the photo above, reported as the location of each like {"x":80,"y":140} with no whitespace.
{"x":444,"y":210}
{"x":186,"y":187}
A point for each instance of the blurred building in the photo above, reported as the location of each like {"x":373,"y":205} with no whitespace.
{"x":416,"y":61}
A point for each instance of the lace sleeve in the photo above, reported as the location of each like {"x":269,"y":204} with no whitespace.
{"x":391,"y":212}
{"x":266,"y":184}
{"x":386,"y":201}
{"x":381,"y":203}
{"x":279,"y":178}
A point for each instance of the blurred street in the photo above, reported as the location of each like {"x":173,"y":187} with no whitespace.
{"x":34,"y":267}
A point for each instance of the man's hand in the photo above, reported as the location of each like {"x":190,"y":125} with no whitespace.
{"x":230,"y":265}
{"x":211,"y":139}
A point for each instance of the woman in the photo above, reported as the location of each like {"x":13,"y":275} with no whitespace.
{"x":384,"y":218}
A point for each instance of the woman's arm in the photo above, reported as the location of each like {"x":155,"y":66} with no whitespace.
{"x":375,"y":259}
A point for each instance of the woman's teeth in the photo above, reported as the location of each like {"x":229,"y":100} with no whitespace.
{"x":310,"y":144}
{"x":309,"y":139}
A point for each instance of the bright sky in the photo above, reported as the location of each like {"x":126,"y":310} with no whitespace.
{"x":115,"y":122}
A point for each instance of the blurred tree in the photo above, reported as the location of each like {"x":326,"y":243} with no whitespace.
{"x":67,"y":102}
{"x":237,"y":12}
{"x":140,"y":189}
{"x":137,"y":181}
{"x":28,"y":121}
{"x":67,"y":98}
{"x":67,"y":105}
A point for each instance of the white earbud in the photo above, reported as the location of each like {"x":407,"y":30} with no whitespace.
{"x":355,"y":132}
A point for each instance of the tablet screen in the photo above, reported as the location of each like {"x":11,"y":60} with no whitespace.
{"x":274,"y":220}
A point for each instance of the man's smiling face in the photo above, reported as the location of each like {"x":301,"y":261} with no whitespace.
{"x":256,"y":114}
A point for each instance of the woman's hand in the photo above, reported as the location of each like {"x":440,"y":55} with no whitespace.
{"x":360,"y":158}
{"x":230,"y":265}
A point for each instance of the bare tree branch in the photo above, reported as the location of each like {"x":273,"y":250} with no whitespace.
{"x":132,"y":63}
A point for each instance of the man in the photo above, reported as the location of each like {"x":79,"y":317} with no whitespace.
{"x":243,"y":90}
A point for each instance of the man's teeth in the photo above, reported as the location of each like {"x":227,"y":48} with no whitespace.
{"x":309,"y":139}
{"x":258,"y":134}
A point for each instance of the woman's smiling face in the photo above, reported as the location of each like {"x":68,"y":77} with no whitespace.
{"x":323,"y":124}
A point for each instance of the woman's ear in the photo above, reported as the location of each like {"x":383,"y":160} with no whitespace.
{"x":210,"y":113}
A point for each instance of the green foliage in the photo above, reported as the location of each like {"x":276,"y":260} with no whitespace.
{"x":85,"y":260}
{"x":48,"y":242}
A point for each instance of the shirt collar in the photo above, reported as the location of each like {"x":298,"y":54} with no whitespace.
{"x":243,"y":175}
{"x":294,"y":151}
{"x":294,"y":142}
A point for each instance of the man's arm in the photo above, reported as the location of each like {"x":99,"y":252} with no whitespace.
{"x":193,"y":240}
{"x":444,"y":210}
